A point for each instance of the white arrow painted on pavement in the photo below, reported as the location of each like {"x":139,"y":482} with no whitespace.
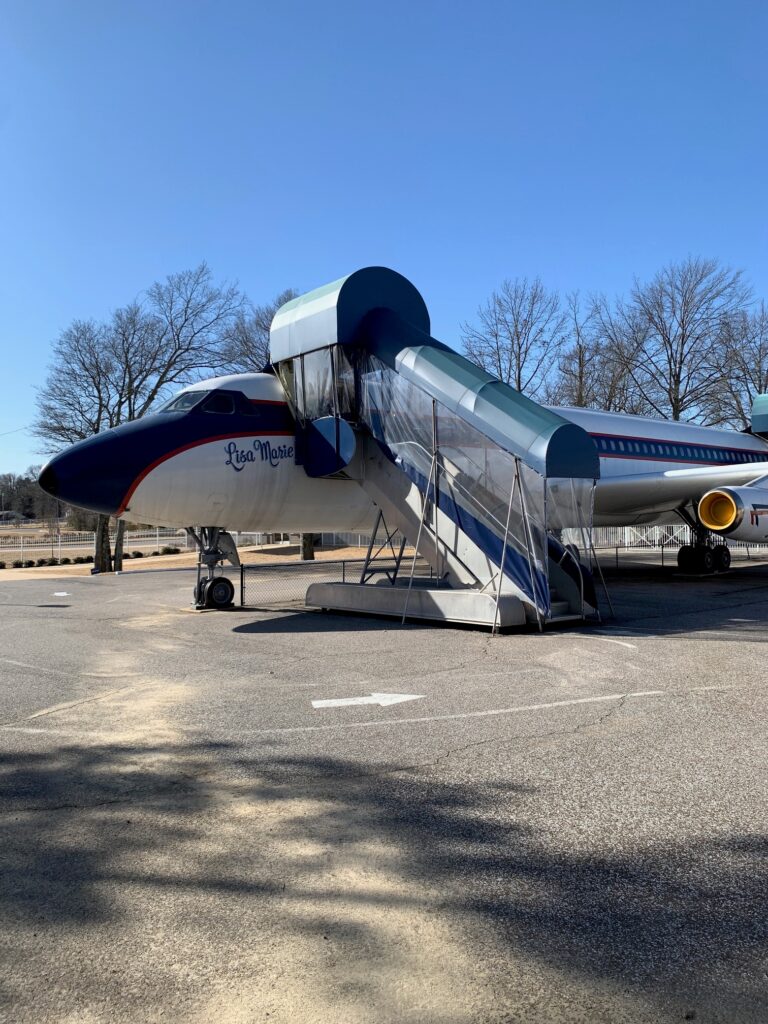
{"x":382,"y":699}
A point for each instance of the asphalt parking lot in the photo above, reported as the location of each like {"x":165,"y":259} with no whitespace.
{"x":551,"y":828}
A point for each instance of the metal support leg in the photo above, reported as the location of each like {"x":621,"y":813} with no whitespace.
{"x":503,"y":558}
{"x":418,"y":538}
{"x":529,"y":546}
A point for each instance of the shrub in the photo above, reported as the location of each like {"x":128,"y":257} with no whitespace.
{"x":137,"y":554}
{"x":78,"y":560}
{"x":51,"y":561}
{"x":66,"y":561}
{"x":89,"y":558}
{"x":41,"y":561}
{"x":17,"y":563}
{"x":29,"y":563}
{"x":2,"y":565}
{"x":155,"y":553}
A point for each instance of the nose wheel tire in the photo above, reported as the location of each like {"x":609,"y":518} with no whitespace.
{"x":219,"y":593}
{"x":215,"y":593}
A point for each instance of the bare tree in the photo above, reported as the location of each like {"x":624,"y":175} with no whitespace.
{"x":741,"y":364}
{"x":576,"y":380}
{"x":519,"y":333}
{"x":681,"y":314}
{"x":619,"y":335}
{"x":102,"y":375}
{"x":246,"y":348}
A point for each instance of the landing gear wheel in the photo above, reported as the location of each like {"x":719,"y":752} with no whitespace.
{"x":219,"y":593}
{"x":722,"y":558}
{"x":686,"y":557}
{"x":705,"y":559}
{"x":199,"y":593}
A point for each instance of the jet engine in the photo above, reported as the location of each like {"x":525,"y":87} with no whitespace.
{"x":740,"y":513}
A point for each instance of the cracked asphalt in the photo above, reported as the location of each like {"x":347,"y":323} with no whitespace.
{"x":563,"y":827}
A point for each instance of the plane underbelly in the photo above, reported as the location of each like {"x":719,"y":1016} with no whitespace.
{"x":251,"y":483}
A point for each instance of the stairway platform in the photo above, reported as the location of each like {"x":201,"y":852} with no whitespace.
{"x":437,"y":604}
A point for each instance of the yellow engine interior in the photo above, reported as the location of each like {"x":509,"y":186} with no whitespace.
{"x":718,"y":510}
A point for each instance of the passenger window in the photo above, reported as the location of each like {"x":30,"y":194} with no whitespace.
{"x":219,"y":403}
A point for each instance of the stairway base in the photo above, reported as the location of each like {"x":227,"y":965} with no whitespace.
{"x":437,"y":604}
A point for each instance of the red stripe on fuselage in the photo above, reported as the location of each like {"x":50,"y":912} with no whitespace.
{"x":196,"y":444}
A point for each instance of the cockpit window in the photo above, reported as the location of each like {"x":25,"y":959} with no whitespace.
{"x":186,"y":400}
{"x":219,"y":402}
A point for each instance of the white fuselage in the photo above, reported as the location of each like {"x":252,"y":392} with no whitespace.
{"x":631,"y":445}
{"x":247,"y":482}
{"x":250,"y":480}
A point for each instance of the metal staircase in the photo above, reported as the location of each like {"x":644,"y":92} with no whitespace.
{"x":475,"y":477}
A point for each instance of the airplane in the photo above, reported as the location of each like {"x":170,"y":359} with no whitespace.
{"x":234,"y":453}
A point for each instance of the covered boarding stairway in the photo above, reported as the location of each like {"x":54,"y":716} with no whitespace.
{"x":473,"y":476}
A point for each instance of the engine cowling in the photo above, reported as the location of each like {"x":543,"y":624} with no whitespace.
{"x":740,"y":513}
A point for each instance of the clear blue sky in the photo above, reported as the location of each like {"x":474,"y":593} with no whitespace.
{"x":289,"y":143}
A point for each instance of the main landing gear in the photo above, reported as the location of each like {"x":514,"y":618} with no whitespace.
{"x":215,"y":545}
{"x":703,"y":557}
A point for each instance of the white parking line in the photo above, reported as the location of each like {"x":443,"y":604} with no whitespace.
{"x":621,"y":643}
{"x":379,"y":721}
{"x":520,"y":709}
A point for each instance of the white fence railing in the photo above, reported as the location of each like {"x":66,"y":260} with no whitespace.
{"x":22,"y":545}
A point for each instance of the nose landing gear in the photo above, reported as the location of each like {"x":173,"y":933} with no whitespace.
{"x":214,"y":545}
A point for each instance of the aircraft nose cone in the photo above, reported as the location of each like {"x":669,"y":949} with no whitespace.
{"x":83,"y":476}
{"x":49,"y":481}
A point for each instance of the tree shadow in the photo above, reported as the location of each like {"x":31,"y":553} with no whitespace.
{"x":671,"y":926}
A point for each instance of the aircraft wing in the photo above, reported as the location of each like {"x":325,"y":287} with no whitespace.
{"x":674,"y":488}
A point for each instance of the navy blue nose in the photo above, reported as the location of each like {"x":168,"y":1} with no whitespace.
{"x":49,"y":481}
{"x":101,"y":473}
{"x":86,"y":475}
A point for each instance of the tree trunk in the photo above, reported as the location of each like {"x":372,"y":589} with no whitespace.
{"x":102,"y":555}
{"x":308,"y":546}
{"x":117,"y":561}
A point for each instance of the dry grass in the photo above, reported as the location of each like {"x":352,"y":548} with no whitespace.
{"x":188,"y":559}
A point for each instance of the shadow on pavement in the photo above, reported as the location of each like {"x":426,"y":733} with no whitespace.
{"x":308,"y":621}
{"x":86,"y":829}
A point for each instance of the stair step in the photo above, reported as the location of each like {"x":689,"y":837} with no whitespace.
{"x":559,"y":608}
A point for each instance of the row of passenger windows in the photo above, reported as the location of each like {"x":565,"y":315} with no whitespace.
{"x":665,"y":450}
